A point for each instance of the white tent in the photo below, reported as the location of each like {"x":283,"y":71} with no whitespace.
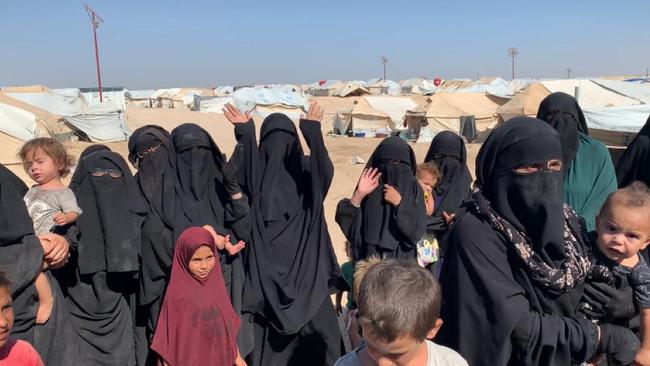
{"x":591,"y":95}
{"x":394,"y":107}
{"x":17,"y":123}
{"x":363,"y":121}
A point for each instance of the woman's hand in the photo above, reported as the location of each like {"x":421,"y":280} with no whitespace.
{"x":234,"y":115}
{"x":56,"y":250}
{"x":233,"y":249}
{"x":607,"y":303}
{"x":315,"y":112}
{"x":368,"y":182}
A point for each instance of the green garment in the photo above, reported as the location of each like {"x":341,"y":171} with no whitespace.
{"x":590,"y":179}
{"x":347,"y":271}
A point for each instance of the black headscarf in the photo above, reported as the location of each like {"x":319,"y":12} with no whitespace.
{"x":291,"y":262}
{"x":200,"y":193}
{"x":635,"y":162}
{"x":563,"y":113}
{"x":110,"y":238}
{"x":532,"y":203}
{"x":448,"y":151}
{"x":156,"y":177}
{"x":396,"y":161}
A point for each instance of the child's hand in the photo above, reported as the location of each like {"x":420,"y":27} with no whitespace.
{"x":315,"y":112}
{"x":429,"y":203}
{"x":449,"y":218}
{"x":60,"y":219}
{"x":642,"y":358}
{"x":236,"y":248}
{"x":391,"y":195}
{"x":234,"y":115}
{"x":219,"y":241}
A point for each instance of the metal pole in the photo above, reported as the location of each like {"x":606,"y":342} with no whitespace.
{"x":99,"y":77}
{"x":384,"y":71}
{"x":513,"y":67}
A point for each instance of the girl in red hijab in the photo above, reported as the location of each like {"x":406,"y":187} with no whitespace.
{"x":197,"y":324}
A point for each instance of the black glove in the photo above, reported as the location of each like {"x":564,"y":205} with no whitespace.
{"x":231,"y":168}
{"x":620,"y":344}
{"x":607,"y":303}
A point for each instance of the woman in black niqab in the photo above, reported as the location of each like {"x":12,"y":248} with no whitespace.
{"x":378,"y":227}
{"x":635,"y":162}
{"x":151,"y":152}
{"x":291,"y":264}
{"x":101,"y":280}
{"x":448,"y":152}
{"x":517,"y":260}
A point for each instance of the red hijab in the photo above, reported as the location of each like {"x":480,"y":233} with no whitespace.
{"x":197,"y":324}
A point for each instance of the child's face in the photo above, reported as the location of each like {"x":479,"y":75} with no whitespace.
{"x":202,"y":262}
{"x":622,"y":231}
{"x":427,"y":181}
{"x":403,"y":351}
{"x":6,"y":315}
{"x":40,"y":166}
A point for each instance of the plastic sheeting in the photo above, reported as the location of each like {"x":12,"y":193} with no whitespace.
{"x":622,"y":119}
{"x":17,"y":123}
{"x":139,"y":94}
{"x":591,"y":95}
{"x":394,"y":107}
{"x":64,"y":103}
{"x":213,"y":104}
{"x":106,"y":127}
{"x":246,"y":99}
{"x":636,"y":90}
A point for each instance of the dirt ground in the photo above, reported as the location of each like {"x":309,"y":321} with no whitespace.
{"x":341,"y":149}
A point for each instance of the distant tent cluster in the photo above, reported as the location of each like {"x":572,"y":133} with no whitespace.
{"x":29,"y":112}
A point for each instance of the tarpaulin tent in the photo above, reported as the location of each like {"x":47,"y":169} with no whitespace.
{"x":420,"y":86}
{"x":616,"y":125}
{"x":591,"y":95}
{"x":363,"y":121}
{"x":524,"y":103}
{"x":443,"y":111}
{"x":394,"y":107}
{"x":352,"y":89}
{"x":639,"y":91}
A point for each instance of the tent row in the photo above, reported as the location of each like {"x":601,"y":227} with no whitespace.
{"x":29,"y":112}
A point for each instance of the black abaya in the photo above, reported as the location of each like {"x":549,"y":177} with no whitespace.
{"x":21,"y":260}
{"x":101,"y":282}
{"x":635,"y":162}
{"x":291,"y":264}
{"x":448,"y":152}
{"x":377,"y":227}
{"x":495,"y":312}
{"x":202,"y":199}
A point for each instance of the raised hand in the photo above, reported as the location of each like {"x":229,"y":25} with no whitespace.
{"x":315,"y":112}
{"x":234,"y":115}
{"x":56,"y":250}
{"x":368,"y":182}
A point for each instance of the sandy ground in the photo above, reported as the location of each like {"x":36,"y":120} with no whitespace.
{"x":341,"y":149}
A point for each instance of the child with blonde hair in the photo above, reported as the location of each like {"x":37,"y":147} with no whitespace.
{"x":50,"y":204}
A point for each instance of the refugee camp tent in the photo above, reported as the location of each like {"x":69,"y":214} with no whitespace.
{"x":363,"y":121}
{"x":394,"y":107}
{"x":111,"y":96}
{"x":222,"y":91}
{"x":443,"y":111}
{"x":263,"y":101}
{"x":591,"y":95}
{"x":419,"y":85}
{"x":328,"y":89}
{"x":636,"y":90}
{"x":139,"y":98}
{"x":352,"y":89}
{"x":379,"y":86}
{"x":616,"y":125}
{"x":524,"y":103}
{"x":97,"y":123}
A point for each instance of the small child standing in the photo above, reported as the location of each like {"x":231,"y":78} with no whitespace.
{"x":399,"y":305}
{"x":347,"y":275}
{"x":623,"y":228}
{"x":49,"y":202}
{"x":13,"y":352}
{"x":428,"y":175}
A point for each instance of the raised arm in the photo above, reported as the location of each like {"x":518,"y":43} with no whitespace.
{"x":320,"y":164}
{"x":245,"y":135}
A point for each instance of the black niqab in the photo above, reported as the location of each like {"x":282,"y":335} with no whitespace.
{"x":563,"y":113}
{"x":532,"y":202}
{"x":110,"y":238}
{"x":291,"y":262}
{"x":200,"y":193}
{"x":396,"y":162}
{"x":635,"y":162}
{"x":448,"y":151}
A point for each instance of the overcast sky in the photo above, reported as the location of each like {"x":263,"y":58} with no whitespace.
{"x":153,"y":44}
